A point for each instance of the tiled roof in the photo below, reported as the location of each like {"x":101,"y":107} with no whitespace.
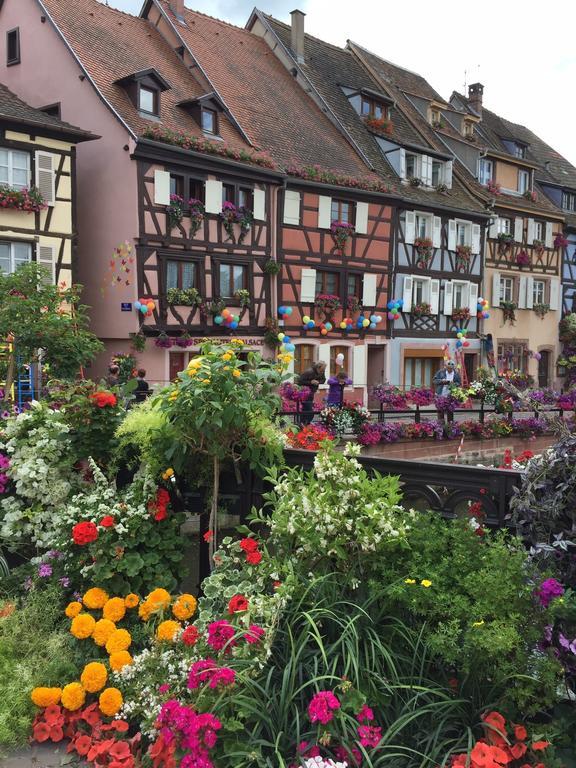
{"x":111,"y":45}
{"x":328,"y":68}
{"x":13,"y":109}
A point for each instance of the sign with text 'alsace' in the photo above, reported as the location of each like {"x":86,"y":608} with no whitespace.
{"x":226,"y":340}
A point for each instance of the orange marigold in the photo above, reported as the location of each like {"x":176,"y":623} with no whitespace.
{"x":119,"y":640}
{"x":73,"y":696}
{"x":94,"y":676}
{"x":131,"y":600}
{"x":114,"y":609}
{"x":102,"y":631}
{"x":110,"y":701}
{"x":157,"y":601}
{"x":82,"y":626}
{"x":167,"y":629}
{"x":119,"y":659}
{"x":95,"y":598}
{"x":73,"y":609}
{"x":46,"y":697}
{"x":184,"y":607}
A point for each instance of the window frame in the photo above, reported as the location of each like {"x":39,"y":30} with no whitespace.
{"x":183,"y":186}
{"x":373,"y":106}
{"x":358,"y":277}
{"x":568,"y":201}
{"x":468,"y":126}
{"x":464,"y":287}
{"x":321,"y":276}
{"x":10,"y":182}
{"x":236,"y":188}
{"x":181,"y":263}
{"x":215,"y":122}
{"x":417,"y":165}
{"x":428,"y":219}
{"x":245,"y":281}
{"x":519,"y":150}
{"x":504,"y":230}
{"x":426,"y":291}
{"x":505,"y":282}
{"x":519,"y":358}
{"x":298,"y":360}
{"x":539,"y":230}
{"x":537,"y":283}
{"x":339,"y":202}
{"x":155,"y":99}
{"x":12,"y":243}
{"x":441,"y":166}
{"x":523,"y":174}
{"x":16,"y":59}
{"x":466,"y":226}
{"x":482,"y":163}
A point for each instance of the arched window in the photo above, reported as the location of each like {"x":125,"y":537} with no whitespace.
{"x":303,"y":357}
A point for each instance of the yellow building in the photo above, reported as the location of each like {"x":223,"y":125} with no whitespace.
{"x":37,"y":187}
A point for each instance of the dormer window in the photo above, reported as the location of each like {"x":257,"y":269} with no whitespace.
{"x":206,"y":111}
{"x":412,"y":170}
{"x":569,"y":201}
{"x":374,"y":109}
{"x":148,"y":100}
{"x":519,"y":150}
{"x":468,"y":129}
{"x":209,"y":121}
{"x":144,"y":89}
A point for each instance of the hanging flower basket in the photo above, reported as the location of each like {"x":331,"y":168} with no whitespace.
{"x":422,"y":310}
{"x":184,"y":341}
{"x":462,"y":313}
{"x":560,"y":241}
{"x":175,"y":211}
{"x":246,"y":220}
{"x":538,"y":246}
{"x":327,"y":303}
{"x":509,"y":310}
{"x":229,"y":216}
{"x":463,"y":256}
{"x":28,"y":200}
{"x":423,"y":247}
{"x":272,"y":267}
{"x":341,"y":232}
{"x":523,"y":259}
{"x":541,"y":309}
{"x":138,"y":342}
{"x":197,"y":212}
{"x":243,"y":297}
{"x":163,"y":341}
{"x":353,"y":304}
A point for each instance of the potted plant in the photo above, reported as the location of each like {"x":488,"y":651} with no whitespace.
{"x":229,"y":216}
{"x":423,"y":247}
{"x":327,"y":303}
{"x":560,"y":241}
{"x":538,"y":246}
{"x":245,"y":219}
{"x":138,"y":341}
{"x":509,"y":309}
{"x":272,"y":267}
{"x":184,"y":341}
{"x":187,"y":297}
{"x":341,"y":232}
{"x":163,"y":341}
{"x":197,"y":212}
{"x":494,"y":187}
{"x":353,"y":304}
{"x":463,"y":255}
{"x":530,"y":195}
{"x":243,"y":297}
{"x":461,"y":313}
{"x":522,"y":258}
{"x":271,"y":332}
{"x":505,"y":239}
{"x":379,"y":125}
{"x":28,"y":200}
{"x":442,"y":188}
{"x":175,"y":211}
{"x":541,"y":309}
{"x":414,"y":181}
{"x":422,"y":310}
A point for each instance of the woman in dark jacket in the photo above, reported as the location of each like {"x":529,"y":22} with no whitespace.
{"x":312,"y":378}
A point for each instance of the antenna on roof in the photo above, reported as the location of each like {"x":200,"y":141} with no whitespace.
{"x":465,"y":80}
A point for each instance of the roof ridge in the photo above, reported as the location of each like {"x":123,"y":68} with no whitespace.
{"x":307,"y":34}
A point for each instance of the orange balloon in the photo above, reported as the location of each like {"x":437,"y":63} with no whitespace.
{"x":151,"y":305}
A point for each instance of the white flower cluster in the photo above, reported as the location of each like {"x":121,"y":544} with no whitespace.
{"x":323,"y":762}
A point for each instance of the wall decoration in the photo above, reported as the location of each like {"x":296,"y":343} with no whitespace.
{"x":119,"y":267}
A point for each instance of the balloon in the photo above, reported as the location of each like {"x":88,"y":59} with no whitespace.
{"x":378,"y":318}
{"x":390,"y":304}
{"x":339,"y":359}
{"x":459,"y":335}
{"x":288,"y":311}
{"x":466,"y":344}
{"x":537,"y":355}
{"x":289,"y":347}
{"x":372,"y":318}
{"x":281,"y":310}
{"x":458,"y":344}
{"x":137,"y":306}
{"x":324,"y":332}
{"x":280,"y":337}
{"x":372,"y":325}
{"x":343,"y":325}
{"x":306,"y":319}
{"x":485,"y":315}
{"x":310,"y":324}
{"x":396,"y":317}
{"x":225,"y":312}
{"x":218,"y":320}
{"x":149,"y":313}
{"x":328,"y":326}
{"x":365,"y":322}
{"x":391,"y":315}
{"x":233,"y":324}
{"x":286,"y":339}
{"x":143,"y":309}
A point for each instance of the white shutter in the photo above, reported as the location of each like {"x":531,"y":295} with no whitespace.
{"x":496,"y":289}
{"x":549,"y":240}
{"x":473,"y":298}
{"x":291,"y":207}
{"x":448,"y":174}
{"x":308,"y":286}
{"x":369,"y":290}
{"x":407,"y":293}
{"x":434,"y":296}
{"x":530,"y":234}
{"x":259,"y":198}
{"x":476,"y":232}
{"x":402,"y":163}
{"x":529,"y":292}
{"x":494,"y":229}
{"x":518,"y":229}
{"x":213,"y":196}
{"x":437,"y":232}
{"x":324,"y":210}
{"x":452,"y":235}
{"x":554,"y":294}
{"x":46,"y":176}
{"x":448,"y":297}
{"x":359,"y":366}
{"x":426,"y":170}
{"x":522,"y":293}
{"x":410,"y":227}
{"x":45,"y":258}
{"x":362,"y":218}
{"x":324,"y":357}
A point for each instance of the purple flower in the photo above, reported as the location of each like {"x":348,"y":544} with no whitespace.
{"x":548,"y":590}
{"x":44,"y":570}
{"x":64,"y":581}
{"x":28,"y":584}
{"x":53,"y":554}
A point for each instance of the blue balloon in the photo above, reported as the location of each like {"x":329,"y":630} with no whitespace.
{"x":372,"y":325}
{"x":372,"y":318}
{"x":289,"y":347}
{"x":288,"y":311}
{"x":137,"y":306}
{"x":401,"y":302}
{"x":311,"y":324}
{"x":218,"y":319}
{"x":390,"y":304}
{"x":234,"y":324}
{"x":286,"y":339}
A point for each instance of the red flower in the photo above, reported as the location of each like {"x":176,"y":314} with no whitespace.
{"x":249,"y":545}
{"x":83,"y":744}
{"x":253,"y":558}
{"x":161,"y":514}
{"x":538,"y":745}
{"x":520,"y":733}
{"x":120,"y":750}
{"x":84,"y":533}
{"x":102,"y":399}
{"x":41,"y":732}
{"x":190,"y":635}
{"x":237,"y":604}
{"x":495,"y":720}
{"x":56,"y":733}
{"x":208,"y":536}
{"x":107,"y":521}
{"x":486,"y":756}
{"x":518,"y":750}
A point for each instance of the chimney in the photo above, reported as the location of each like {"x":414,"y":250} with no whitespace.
{"x":475,"y":93}
{"x":297,"y":42}
{"x":177,"y":8}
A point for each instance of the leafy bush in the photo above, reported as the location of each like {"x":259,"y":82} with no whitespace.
{"x":143,"y":436}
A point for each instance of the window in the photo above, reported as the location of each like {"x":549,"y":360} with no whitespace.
{"x":423,"y":225}
{"x":228,"y":193}
{"x":519,"y":150}
{"x":354,"y":286}
{"x":506,"y":289}
{"x":303,"y":357}
{"x":435,"y":117}
{"x":513,"y":356}
{"x":328,"y":282}
{"x":245,"y":198}
{"x":569,"y":201}
{"x":412,"y":166}
{"x":460,"y":292}
{"x":420,"y":291}
{"x":341,"y":210}
{"x":437,"y":172}
{"x":485,"y":169}
{"x":239,"y":196}
{"x":463,"y":233}
{"x":186,"y":187}
{"x":148,"y":100}
{"x":181,"y":274}
{"x":538,"y":291}
{"x":176,"y":185}
{"x":375,"y":109}
{"x":13,"y":255}
{"x":14,"y":168}
{"x":13,"y":47}
{"x":468,"y":128}
{"x":54,"y":110}
{"x":539,"y":231}
{"x":209,"y":121}
{"x":523,"y":181}
{"x":504,"y":226}
{"x":419,"y":371}
{"x":334,"y":352}
{"x":233,"y":277}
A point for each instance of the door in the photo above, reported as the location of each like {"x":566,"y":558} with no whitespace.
{"x":176,"y":364}
{"x":544,"y":369}
{"x":470,"y":366}
{"x":375,"y":370}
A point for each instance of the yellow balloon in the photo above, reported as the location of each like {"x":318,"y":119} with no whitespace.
{"x":305,"y":319}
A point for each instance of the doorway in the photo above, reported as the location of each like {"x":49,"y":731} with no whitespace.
{"x":375,"y":370}
{"x":177,"y":364}
{"x":544,"y":369}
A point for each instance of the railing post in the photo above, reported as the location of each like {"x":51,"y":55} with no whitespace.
{"x":298,"y":419}
{"x":341,"y":395}
{"x":417,"y":415}
{"x":481,"y":415}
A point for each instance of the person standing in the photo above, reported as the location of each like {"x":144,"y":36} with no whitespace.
{"x":336,"y":386}
{"x":312,"y":378}
{"x":142,"y":387}
{"x":445,"y":378}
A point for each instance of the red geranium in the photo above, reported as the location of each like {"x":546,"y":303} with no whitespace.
{"x":237,"y":604}
{"x":84,"y":533}
{"x":159,"y":506}
{"x":253,"y":558}
{"x":190,"y":635}
{"x":103,"y":399}
{"x":248,"y":545}
{"x":107,"y":521}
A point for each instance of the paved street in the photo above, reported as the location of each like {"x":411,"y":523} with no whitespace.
{"x":41,"y":756}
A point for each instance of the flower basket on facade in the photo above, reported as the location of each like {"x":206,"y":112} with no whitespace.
{"x":560,"y":241}
{"x":245,"y":219}
{"x":163,"y":341}
{"x":538,"y":246}
{"x":422,"y":310}
{"x":175,"y":211}
{"x":28,"y":200}
{"x":138,"y":342}
{"x":462,"y":313}
{"x":196,"y":215}
{"x":509,"y":310}
{"x":523,"y":259}
{"x":423,"y":247}
{"x":541,"y":309}
{"x":505,"y":239}
{"x":414,"y":181}
{"x":494,"y":188}
{"x":379,"y":125}
{"x":272,"y":267}
{"x":442,"y":188}
{"x":463,"y":256}
{"x":530,"y":195}
{"x":341,"y":232}
{"x":243,"y":297}
{"x":327,"y":303}
{"x":184,"y":341}
{"x":187,"y":297}
{"x":353,"y":304}
{"x":231,"y":215}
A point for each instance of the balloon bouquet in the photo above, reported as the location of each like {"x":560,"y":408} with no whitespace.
{"x":145,"y":306}
{"x":227,"y":319}
{"x":482,"y":309}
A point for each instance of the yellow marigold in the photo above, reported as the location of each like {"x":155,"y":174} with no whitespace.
{"x":45,"y":697}
{"x":119,"y":659}
{"x":184,"y":607}
{"x":159,"y":599}
{"x":205,"y":381}
{"x":426,"y":583}
{"x":145,"y":610}
{"x":131,"y":600}
{"x":168,"y":473}
{"x":73,"y":609}
{"x":236,"y":373}
{"x":227,"y":356}
{"x":114,"y":609}
{"x":119,"y":640}
{"x":167,"y":629}
{"x":102,"y":631}
{"x":95,"y":598}
{"x":110,"y":701}
{"x":73,"y":696}
{"x":94,"y":676}
{"x":82,"y":626}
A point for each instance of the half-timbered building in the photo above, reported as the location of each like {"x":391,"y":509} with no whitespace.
{"x":37,"y":185}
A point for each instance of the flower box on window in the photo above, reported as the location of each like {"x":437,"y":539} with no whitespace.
{"x":494,"y":188}
{"x":541,"y":309}
{"x":463,"y":256}
{"x":231,"y":215}
{"x":379,"y":125}
{"x":423,"y":247}
{"x":461,"y":313}
{"x":414,"y":181}
{"x":186,"y":297}
{"x":341,"y":232}
{"x":531,"y":195}
{"x":422,"y":310}
{"x":327,"y":302}
{"x":539,"y":246}
{"x":243,"y":297}
{"x":27,"y":200}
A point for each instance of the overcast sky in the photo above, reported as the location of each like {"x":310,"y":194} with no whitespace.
{"x":524,"y":59}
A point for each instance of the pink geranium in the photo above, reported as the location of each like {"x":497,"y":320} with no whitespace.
{"x":220,"y":634}
{"x":322,"y":706}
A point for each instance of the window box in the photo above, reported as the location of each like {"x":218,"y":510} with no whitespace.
{"x":523,"y":259}
{"x":353,"y":304}
{"x":243,"y":296}
{"x":539,"y":246}
{"x":341,"y":232}
{"x":505,"y":240}
{"x":422,"y":310}
{"x":509,"y":310}
{"x":441,"y":188}
{"x":380,"y":125}
{"x":185,"y":297}
{"x":327,"y":302}
{"x":27,"y":200}
{"x":184,"y":341}
{"x":423,"y":247}
{"x":494,"y":187}
{"x":231,"y":215}
{"x":463,"y":254}
{"x":541,"y":309}
{"x":461,"y":313}
{"x":531,"y":195}
{"x":414,"y":181}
